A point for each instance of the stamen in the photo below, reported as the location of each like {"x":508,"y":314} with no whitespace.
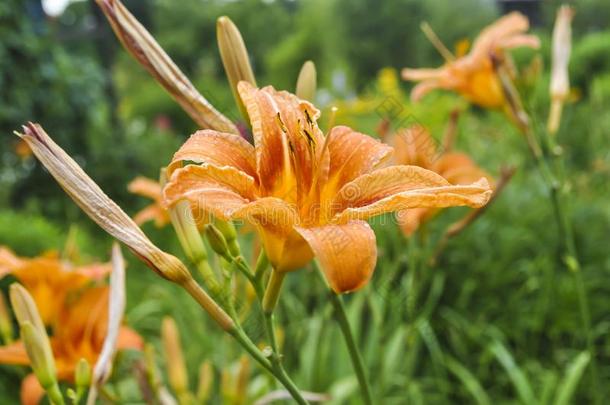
{"x":281,"y":124}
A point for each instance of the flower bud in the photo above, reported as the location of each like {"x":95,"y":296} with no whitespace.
{"x":98,"y":206}
{"x":562,"y":47}
{"x":24,"y":307}
{"x":206,"y":378}
{"x":230,"y":233}
{"x":82,"y":374}
{"x":234,"y":58}
{"x":560,"y":81}
{"x":243,"y":377}
{"x":109,"y":216}
{"x":217,"y":241}
{"x":39,"y":352}
{"x":307,"y":83}
{"x":143,"y":47}
{"x":176,"y":368}
{"x":187,"y":232}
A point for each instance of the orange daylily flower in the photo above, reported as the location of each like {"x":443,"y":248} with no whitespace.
{"x":415,"y":146}
{"x":473,"y":75}
{"x":307,"y":194}
{"x":151,"y":189}
{"x":49,"y":279}
{"x":79,"y":332}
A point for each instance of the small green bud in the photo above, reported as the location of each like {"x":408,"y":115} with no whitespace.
{"x":82,"y":375}
{"x":230,"y":233}
{"x":40,"y":355}
{"x":217,"y":242}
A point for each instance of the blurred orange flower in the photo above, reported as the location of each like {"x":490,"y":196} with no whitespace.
{"x":473,"y":75}
{"x":76,"y":314}
{"x":49,"y":279}
{"x":415,"y":146}
{"x":78,"y":333}
{"x":306,"y":193}
{"x":151,"y":189}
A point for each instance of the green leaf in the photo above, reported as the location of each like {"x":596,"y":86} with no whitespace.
{"x":467,"y":379}
{"x":569,"y":382}
{"x":516,"y":375}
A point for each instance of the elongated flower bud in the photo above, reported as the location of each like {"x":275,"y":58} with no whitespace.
{"x":143,"y":47}
{"x":234,"y":57}
{"x":82,"y":374}
{"x":206,"y":378}
{"x":307,"y":82}
{"x":560,"y":81}
{"x":176,"y":367}
{"x":98,"y":206}
{"x":109,"y":216}
{"x":24,"y":307}
{"x":37,"y":345}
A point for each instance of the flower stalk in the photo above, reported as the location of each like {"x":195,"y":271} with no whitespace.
{"x":350,"y":342}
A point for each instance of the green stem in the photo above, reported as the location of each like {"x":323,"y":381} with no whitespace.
{"x":55,"y":395}
{"x":276,"y":358}
{"x":352,"y":348}
{"x":272,"y":292}
{"x":564,"y":223}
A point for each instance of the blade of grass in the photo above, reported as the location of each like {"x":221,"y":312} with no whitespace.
{"x":516,"y":375}
{"x":470,"y":382}
{"x":573,"y":375}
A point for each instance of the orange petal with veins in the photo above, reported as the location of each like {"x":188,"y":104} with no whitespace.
{"x":347,"y":253}
{"x":286,"y":138}
{"x":353,"y":154}
{"x":397,"y":188}
{"x":216,"y":148}
{"x":210,"y":189}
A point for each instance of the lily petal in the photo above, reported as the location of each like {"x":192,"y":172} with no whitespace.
{"x":346,"y":252}
{"x":459,"y":168}
{"x":217,"y":148}
{"x":402,"y":187}
{"x":414,"y":146}
{"x":210,"y":189}
{"x":31,"y":390}
{"x":145,"y":187}
{"x":410,"y":220}
{"x":492,"y":36}
{"x":15,"y":354}
{"x":286,"y":138}
{"x":353,"y":154}
{"x":152,"y":212}
{"x":274,"y":219}
{"x":8,"y":261}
